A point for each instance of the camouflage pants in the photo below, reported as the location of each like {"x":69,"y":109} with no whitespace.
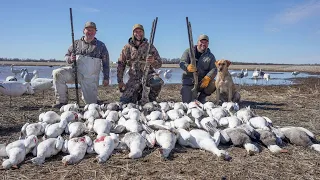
{"x":186,"y":91}
{"x":133,"y":91}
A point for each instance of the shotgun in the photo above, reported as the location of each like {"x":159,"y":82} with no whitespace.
{"x":74,"y":62}
{"x":145,"y":89}
{"x":193,"y":60}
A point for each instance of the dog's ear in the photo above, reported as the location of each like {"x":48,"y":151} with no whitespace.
{"x":216,"y":63}
{"x":228,"y":63}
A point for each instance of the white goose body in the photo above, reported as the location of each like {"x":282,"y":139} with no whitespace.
{"x":17,"y":150}
{"x":33,"y":129}
{"x":104,"y":146}
{"x":69,"y":116}
{"x":49,"y":117}
{"x":136,"y":143}
{"x":77,"y":148}
{"x":202,"y":139}
{"x":167,"y":140}
{"x":69,"y":107}
{"x":54,"y":130}
{"x":75,"y":129}
{"x":15,"y":88}
{"x":47,"y":148}
{"x":260,"y":122}
{"x":100,"y":126}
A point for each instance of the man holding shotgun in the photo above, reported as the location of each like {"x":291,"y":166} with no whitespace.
{"x":206,"y":68}
{"x":89,"y":52}
{"x":134,"y":56}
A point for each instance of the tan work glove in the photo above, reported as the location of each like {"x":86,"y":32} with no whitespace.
{"x":191,"y":68}
{"x":205,"y":82}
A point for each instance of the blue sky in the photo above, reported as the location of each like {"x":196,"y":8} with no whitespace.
{"x":268,"y":31}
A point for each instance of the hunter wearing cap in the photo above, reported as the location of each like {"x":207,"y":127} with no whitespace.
{"x":89,"y":53}
{"x":134,"y":56}
{"x":206,"y":68}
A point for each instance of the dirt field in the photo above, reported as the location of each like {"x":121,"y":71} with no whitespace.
{"x":282,"y":68}
{"x":297,"y":105}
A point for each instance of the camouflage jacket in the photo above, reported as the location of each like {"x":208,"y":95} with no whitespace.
{"x":205,"y":64}
{"x":95,"y":49}
{"x":135,"y":58}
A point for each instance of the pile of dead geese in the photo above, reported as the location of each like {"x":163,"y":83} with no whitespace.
{"x":101,"y":129}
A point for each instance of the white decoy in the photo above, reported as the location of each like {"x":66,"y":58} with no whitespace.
{"x":14,"y":88}
{"x":255,"y":74}
{"x":47,"y":148}
{"x":40,"y":84}
{"x":266,"y":77}
{"x":77,"y":148}
{"x":75,"y":129}
{"x":270,"y":140}
{"x":295,"y":73}
{"x":167,"y":140}
{"x":301,"y":136}
{"x":26,"y":75}
{"x":36,"y":129}
{"x":138,"y":142}
{"x":260,"y":122}
{"x":49,"y":117}
{"x":104,"y":146}
{"x":245,"y":73}
{"x":69,"y":107}
{"x":15,"y":71}
{"x":17,"y":151}
{"x":99,"y":126}
{"x":167,"y":75}
{"x":11,"y":78}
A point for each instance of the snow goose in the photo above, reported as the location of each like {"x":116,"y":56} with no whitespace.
{"x":164,"y":106}
{"x":54,"y":130}
{"x":231,"y":107}
{"x":17,"y":150}
{"x":69,"y":107}
{"x":104,"y":145}
{"x":36,"y":129}
{"x":167,"y":140}
{"x":230,"y":121}
{"x":69,"y":116}
{"x":203,"y":140}
{"x":92,"y":113}
{"x":295,"y":73}
{"x":111,"y":115}
{"x":47,"y":148}
{"x":49,"y":117}
{"x":75,"y":129}
{"x":239,"y":137}
{"x":301,"y":136}
{"x":218,"y":113}
{"x":77,"y":148}
{"x":269,"y":139}
{"x":260,"y":122}
{"x":175,"y":114}
{"x":99,"y":126}
{"x":138,"y":142}
{"x":245,"y":114}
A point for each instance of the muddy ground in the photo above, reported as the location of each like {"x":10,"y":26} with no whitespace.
{"x":297,"y":105}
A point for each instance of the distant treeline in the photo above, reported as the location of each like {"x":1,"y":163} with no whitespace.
{"x":164,"y":61}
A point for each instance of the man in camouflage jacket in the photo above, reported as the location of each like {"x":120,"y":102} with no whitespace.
{"x":134,"y":56}
{"x":206,"y":68}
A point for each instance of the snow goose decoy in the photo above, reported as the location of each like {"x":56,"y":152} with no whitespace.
{"x":40,"y":84}
{"x":14,"y":88}
{"x":295,"y":73}
{"x":47,"y":148}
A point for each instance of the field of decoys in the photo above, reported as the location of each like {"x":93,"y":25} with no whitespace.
{"x":273,"y":133}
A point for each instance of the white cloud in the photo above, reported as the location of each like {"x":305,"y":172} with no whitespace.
{"x":299,"y":12}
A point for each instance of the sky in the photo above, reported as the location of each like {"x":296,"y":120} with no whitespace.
{"x":264,"y":31}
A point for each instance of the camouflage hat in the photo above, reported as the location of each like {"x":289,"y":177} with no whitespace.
{"x":90,"y":24}
{"x":202,"y":37}
{"x":137,"y":26}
